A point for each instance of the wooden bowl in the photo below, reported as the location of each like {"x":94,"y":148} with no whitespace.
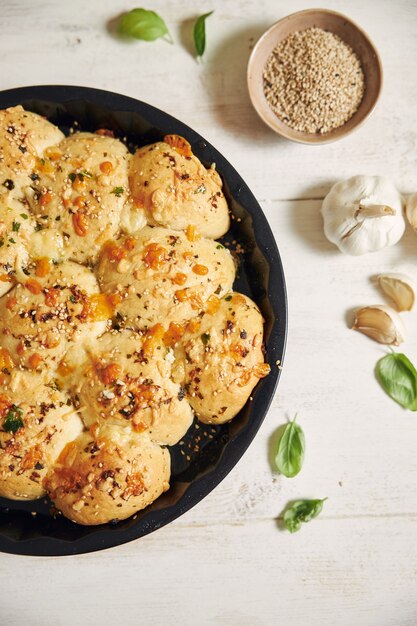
{"x":350,"y":34}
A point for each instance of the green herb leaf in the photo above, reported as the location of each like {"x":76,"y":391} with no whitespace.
{"x":15,"y":227}
{"x":290,"y":452}
{"x":55,"y":385}
{"x":398,"y":377}
{"x":12,"y":240}
{"x":117,"y":191}
{"x":205,"y":338}
{"x":200,"y":189}
{"x":24,"y":216}
{"x":13,"y":419}
{"x":143,"y":24}
{"x":80,"y":175}
{"x":302,"y":511}
{"x":200,"y":34}
{"x":228,"y":298}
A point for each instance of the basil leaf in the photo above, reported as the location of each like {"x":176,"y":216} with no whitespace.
{"x":302,"y":511}
{"x":398,"y":377}
{"x":290,"y":452}
{"x":143,"y":24}
{"x":200,"y":34}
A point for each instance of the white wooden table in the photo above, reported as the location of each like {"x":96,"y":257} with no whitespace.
{"x":226,"y":562}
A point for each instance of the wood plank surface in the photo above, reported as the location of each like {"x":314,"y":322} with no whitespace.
{"x":227,"y":562}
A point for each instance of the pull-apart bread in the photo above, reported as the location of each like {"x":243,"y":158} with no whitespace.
{"x":118,"y":320}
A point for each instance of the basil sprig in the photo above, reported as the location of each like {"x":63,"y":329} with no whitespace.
{"x":143,"y":24}
{"x":290,"y":452}
{"x":301,"y":512}
{"x":200,"y":34}
{"x":398,"y":377}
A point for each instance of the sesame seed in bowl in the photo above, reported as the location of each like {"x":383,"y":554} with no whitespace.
{"x":314,"y":76}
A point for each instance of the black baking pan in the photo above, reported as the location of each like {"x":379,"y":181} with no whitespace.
{"x":34,"y":527}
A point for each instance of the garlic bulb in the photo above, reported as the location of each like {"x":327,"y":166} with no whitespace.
{"x":399,"y":288}
{"x":381,"y":323}
{"x":363,"y":214}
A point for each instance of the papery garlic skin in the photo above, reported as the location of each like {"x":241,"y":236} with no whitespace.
{"x":399,"y":288}
{"x":363,"y":214}
{"x":381,"y":323}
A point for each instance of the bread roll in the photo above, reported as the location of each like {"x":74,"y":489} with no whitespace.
{"x":56,"y":306}
{"x":164,"y":276}
{"x":175,"y":190}
{"x":81,"y":191}
{"x":36,"y":421}
{"x":127,"y":383}
{"x":220,"y":361}
{"x":108,"y":477}
{"x":24,"y":136}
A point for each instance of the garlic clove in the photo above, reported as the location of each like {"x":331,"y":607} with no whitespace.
{"x":381,"y":323}
{"x":399,"y":288}
{"x":411,"y":210}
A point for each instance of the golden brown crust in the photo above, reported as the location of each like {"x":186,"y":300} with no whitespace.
{"x":108,"y":477}
{"x":174,"y":189}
